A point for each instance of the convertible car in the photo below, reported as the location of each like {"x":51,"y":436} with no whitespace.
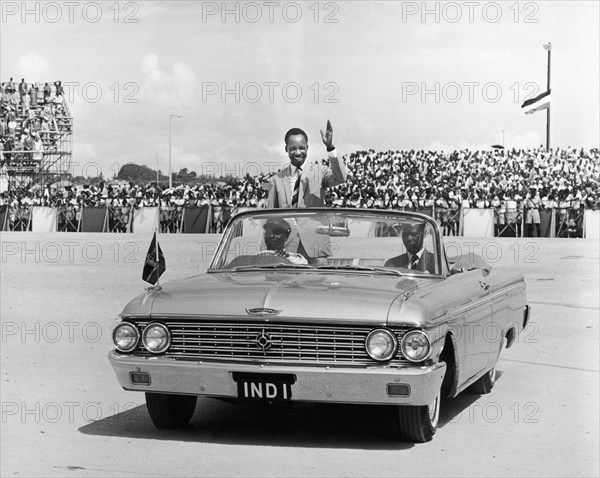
{"x":323,"y":305}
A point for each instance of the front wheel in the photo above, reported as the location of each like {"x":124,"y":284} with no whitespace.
{"x":485,"y":383}
{"x":170,"y":411}
{"x":419,"y":423}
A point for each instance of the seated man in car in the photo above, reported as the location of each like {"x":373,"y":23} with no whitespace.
{"x":415,"y":257}
{"x":276,"y":233}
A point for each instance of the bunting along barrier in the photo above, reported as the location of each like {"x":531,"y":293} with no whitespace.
{"x":145,"y":220}
{"x":547,"y":223}
{"x":196,"y":220}
{"x":67,"y":219}
{"x":478,"y":222}
{"x":94,"y":219}
{"x":44,"y":219}
{"x":428,"y":211}
{"x":3,"y":217}
{"x":591,"y":224}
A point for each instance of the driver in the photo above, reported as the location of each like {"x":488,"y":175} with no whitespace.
{"x":277,"y":232}
{"x":415,"y":257}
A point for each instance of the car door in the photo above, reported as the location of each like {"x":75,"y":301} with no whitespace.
{"x":476,"y":321}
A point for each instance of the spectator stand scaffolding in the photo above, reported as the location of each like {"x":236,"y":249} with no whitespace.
{"x":36,"y":135}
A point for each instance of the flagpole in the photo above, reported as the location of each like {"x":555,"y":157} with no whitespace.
{"x":157,"y":257}
{"x":549,"y":49}
{"x":156,"y":227}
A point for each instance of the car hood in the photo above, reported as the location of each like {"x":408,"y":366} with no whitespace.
{"x":339,"y":297}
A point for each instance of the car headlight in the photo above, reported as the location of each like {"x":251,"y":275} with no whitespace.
{"x":415,"y":346}
{"x":126,"y":337}
{"x":156,"y":337}
{"x":381,"y":345}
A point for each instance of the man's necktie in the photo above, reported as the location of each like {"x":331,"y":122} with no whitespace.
{"x":413,"y":262}
{"x":296,"y":189}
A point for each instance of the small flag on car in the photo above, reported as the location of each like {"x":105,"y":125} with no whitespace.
{"x":155,"y":263}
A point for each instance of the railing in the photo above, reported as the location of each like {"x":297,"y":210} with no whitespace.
{"x":555,"y":222}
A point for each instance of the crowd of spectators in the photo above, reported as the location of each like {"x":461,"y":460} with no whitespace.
{"x":122,"y":198}
{"x":392,"y":179}
{"x":505,"y":180}
{"x":31,"y":118}
{"x":510,"y":181}
{"x":481,"y":179}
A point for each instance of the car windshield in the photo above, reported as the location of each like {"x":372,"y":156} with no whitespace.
{"x":326,"y":240}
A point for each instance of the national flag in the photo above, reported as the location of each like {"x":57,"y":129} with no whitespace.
{"x":155,"y":263}
{"x":538,"y":103}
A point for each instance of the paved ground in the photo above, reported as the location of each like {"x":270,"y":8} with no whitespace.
{"x":63,"y":413}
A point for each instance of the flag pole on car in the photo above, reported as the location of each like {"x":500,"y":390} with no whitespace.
{"x":155,"y":263}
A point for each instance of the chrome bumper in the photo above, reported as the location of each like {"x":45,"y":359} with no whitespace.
{"x":368,"y":385}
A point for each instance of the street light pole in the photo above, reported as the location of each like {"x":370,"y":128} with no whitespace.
{"x":502,"y":139}
{"x":170,"y":173}
{"x":548,"y":48}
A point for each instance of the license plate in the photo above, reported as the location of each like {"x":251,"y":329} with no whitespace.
{"x":257,"y":386}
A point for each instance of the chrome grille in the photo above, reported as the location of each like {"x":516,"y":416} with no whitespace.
{"x":289,"y":343}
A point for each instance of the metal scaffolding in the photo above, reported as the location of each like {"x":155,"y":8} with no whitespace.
{"x":55,"y":165}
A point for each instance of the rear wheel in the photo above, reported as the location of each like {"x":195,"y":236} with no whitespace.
{"x":170,"y":411}
{"x":419,"y":423}
{"x":485,"y":383}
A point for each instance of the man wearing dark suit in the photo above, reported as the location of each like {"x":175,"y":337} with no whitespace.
{"x":302,"y":184}
{"x":415,"y":257}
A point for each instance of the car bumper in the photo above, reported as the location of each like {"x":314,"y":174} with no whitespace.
{"x":368,"y":385}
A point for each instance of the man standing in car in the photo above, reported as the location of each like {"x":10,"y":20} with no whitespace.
{"x":302,"y":184}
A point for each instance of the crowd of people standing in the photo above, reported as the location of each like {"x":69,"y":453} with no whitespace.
{"x":515,"y":183}
{"x":31,"y":117}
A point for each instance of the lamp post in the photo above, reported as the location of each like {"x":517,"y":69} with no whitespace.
{"x":548,"y":48}
{"x":170,"y":174}
{"x":502,"y":138}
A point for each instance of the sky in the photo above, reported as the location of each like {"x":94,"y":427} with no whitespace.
{"x":389,"y":75}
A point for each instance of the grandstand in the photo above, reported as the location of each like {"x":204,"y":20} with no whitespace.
{"x":48,"y":118}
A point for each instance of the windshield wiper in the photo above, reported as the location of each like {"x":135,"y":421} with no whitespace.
{"x":268,"y":266}
{"x":360,"y":268}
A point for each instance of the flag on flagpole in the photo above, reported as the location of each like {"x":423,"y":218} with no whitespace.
{"x":155,"y":263}
{"x":540,"y":102}
{"x":547,"y":46}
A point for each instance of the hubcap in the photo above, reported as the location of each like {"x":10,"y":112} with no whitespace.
{"x":434,"y":411}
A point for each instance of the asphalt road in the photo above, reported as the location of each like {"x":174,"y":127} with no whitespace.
{"x":64,"y":414}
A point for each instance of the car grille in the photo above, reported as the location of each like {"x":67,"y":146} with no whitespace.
{"x":283,"y":343}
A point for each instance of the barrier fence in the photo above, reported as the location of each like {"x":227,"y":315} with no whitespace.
{"x":469,"y":222}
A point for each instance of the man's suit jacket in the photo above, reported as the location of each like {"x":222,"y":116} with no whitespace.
{"x":426,"y":262}
{"x":315,"y":179}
